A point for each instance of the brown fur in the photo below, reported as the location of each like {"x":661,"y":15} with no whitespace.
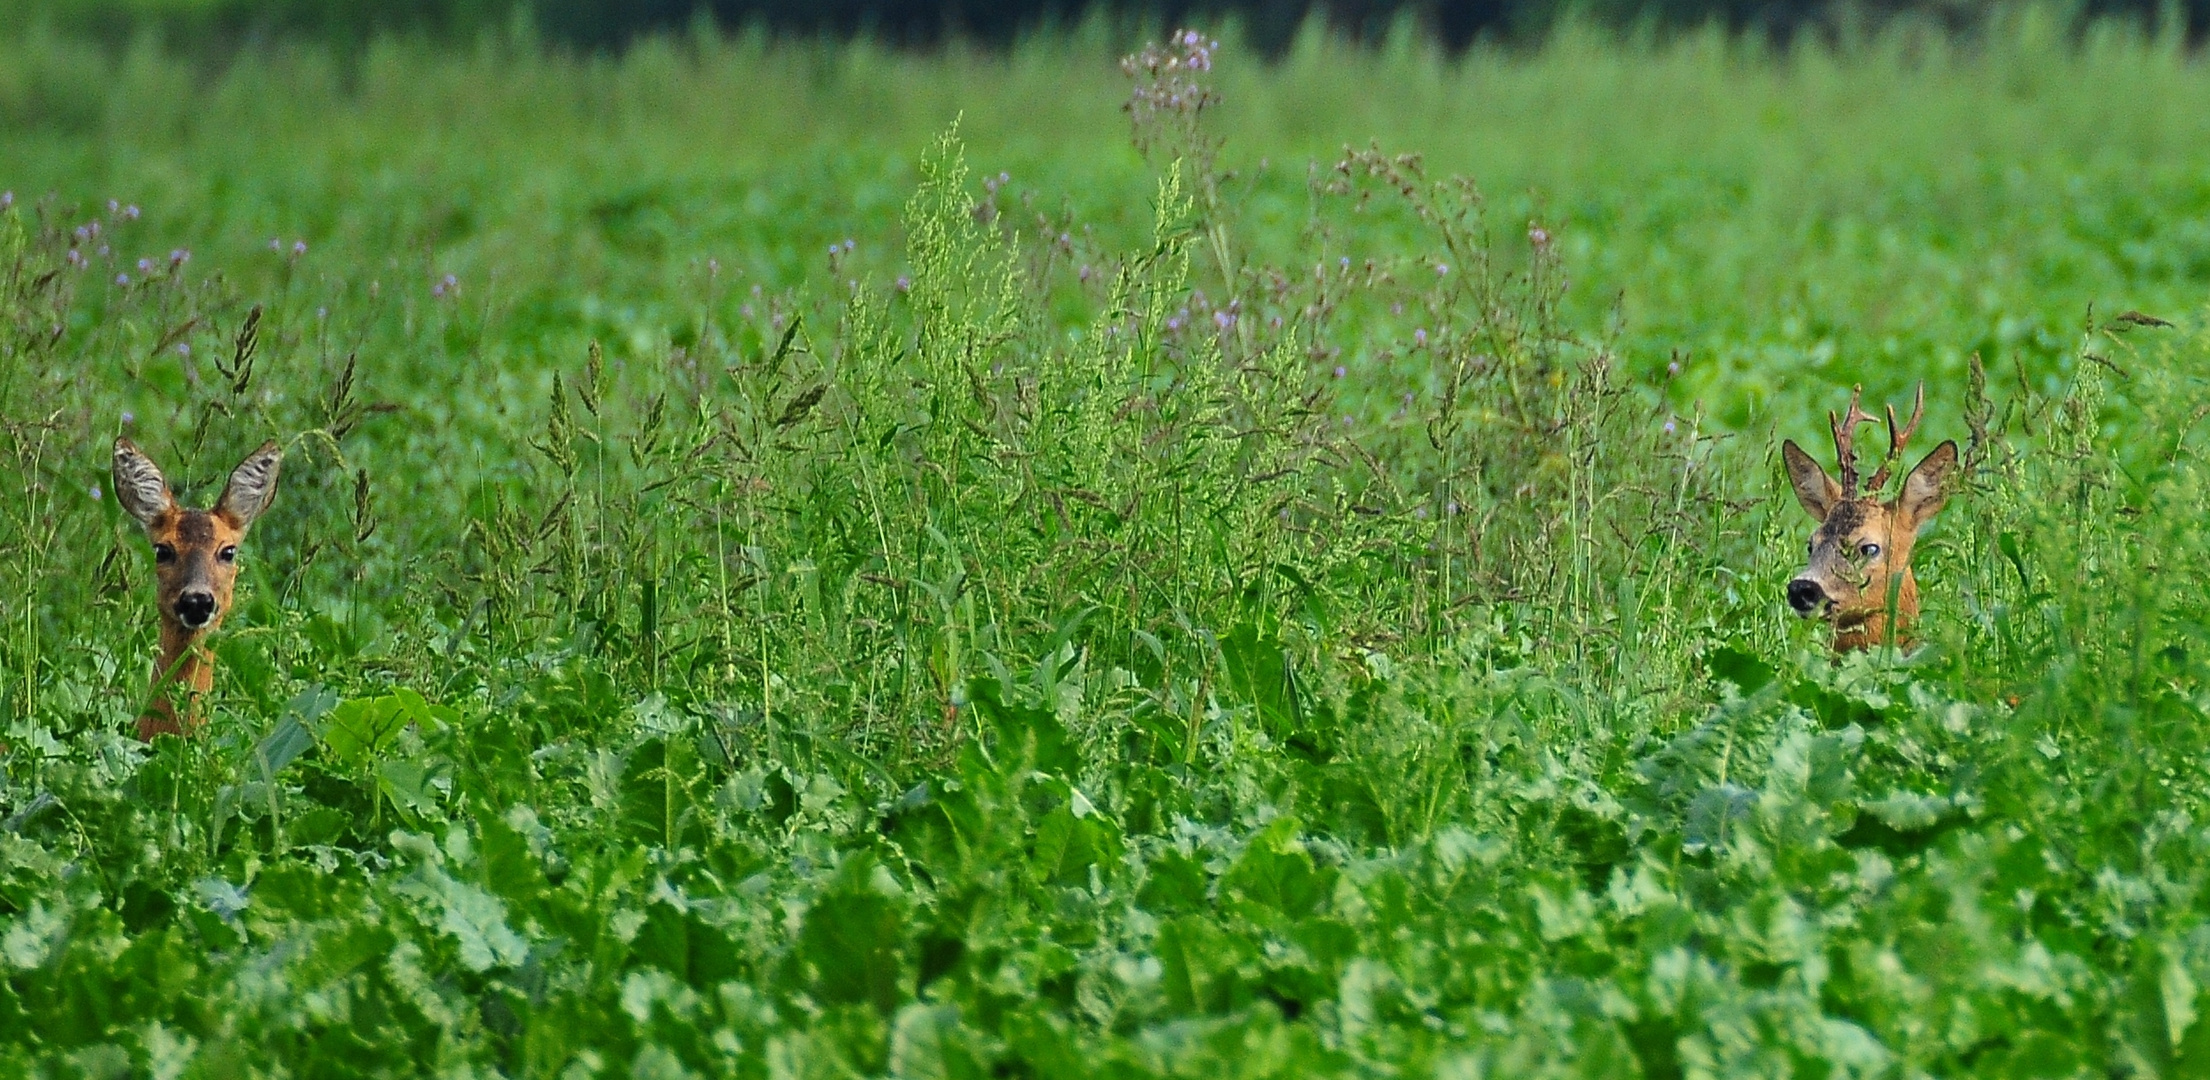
{"x":1854,"y":582}
{"x":194,"y":562}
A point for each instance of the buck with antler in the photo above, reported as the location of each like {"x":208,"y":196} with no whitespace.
{"x":195,"y":554}
{"x":1859,"y":574}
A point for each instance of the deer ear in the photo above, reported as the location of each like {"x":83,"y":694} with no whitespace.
{"x":1928,"y":485}
{"x":252,"y":485}
{"x":1814,"y":489}
{"x":139,"y":485}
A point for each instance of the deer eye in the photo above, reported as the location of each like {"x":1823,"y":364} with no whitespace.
{"x":163,"y":553}
{"x":228,"y":554}
{"x":1868,"y":549}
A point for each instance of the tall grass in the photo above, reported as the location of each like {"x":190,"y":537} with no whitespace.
{"x":831,"y":560}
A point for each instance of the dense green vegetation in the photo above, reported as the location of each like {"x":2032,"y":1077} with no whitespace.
{"x":824,"y":561}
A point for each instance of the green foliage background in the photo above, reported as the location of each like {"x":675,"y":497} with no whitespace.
{"x":817,"y":561}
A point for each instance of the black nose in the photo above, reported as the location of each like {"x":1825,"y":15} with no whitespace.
{"x":195,"y":608}
{"x":1804,"y":595}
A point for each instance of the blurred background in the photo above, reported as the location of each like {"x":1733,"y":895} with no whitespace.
{"x":1270,"y":25}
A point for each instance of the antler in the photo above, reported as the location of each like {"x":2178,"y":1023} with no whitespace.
{"x":1845,"y":441}
{"x":1897,"y":438}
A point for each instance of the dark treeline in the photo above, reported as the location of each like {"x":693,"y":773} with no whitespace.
{"x":1268,"y":24}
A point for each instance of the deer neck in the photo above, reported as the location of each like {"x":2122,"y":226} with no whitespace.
{"x":185,"y":663}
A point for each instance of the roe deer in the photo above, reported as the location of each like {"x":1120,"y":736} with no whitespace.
{"x":195,"y":556}
{"x":1861,"y":552}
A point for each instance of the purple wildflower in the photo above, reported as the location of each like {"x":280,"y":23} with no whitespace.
{"x":1339,"y":373}
{"x":1419,"y":338}
{"x":299,"y":247}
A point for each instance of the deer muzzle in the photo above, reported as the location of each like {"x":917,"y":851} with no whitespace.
{"x":1808,"y":597}
{"x":195,"y":608}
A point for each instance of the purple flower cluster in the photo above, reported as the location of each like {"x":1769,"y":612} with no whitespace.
{"x":1166,"y":76}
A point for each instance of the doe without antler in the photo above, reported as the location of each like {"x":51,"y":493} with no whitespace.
{"x":195,"y":567}
{"x":1858,"y":576}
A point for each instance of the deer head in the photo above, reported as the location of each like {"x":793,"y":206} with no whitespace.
{"x":195,"y":566}
{"x":1860,"y":555}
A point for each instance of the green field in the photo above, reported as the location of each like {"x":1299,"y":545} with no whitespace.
{"x":809,"y":560}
